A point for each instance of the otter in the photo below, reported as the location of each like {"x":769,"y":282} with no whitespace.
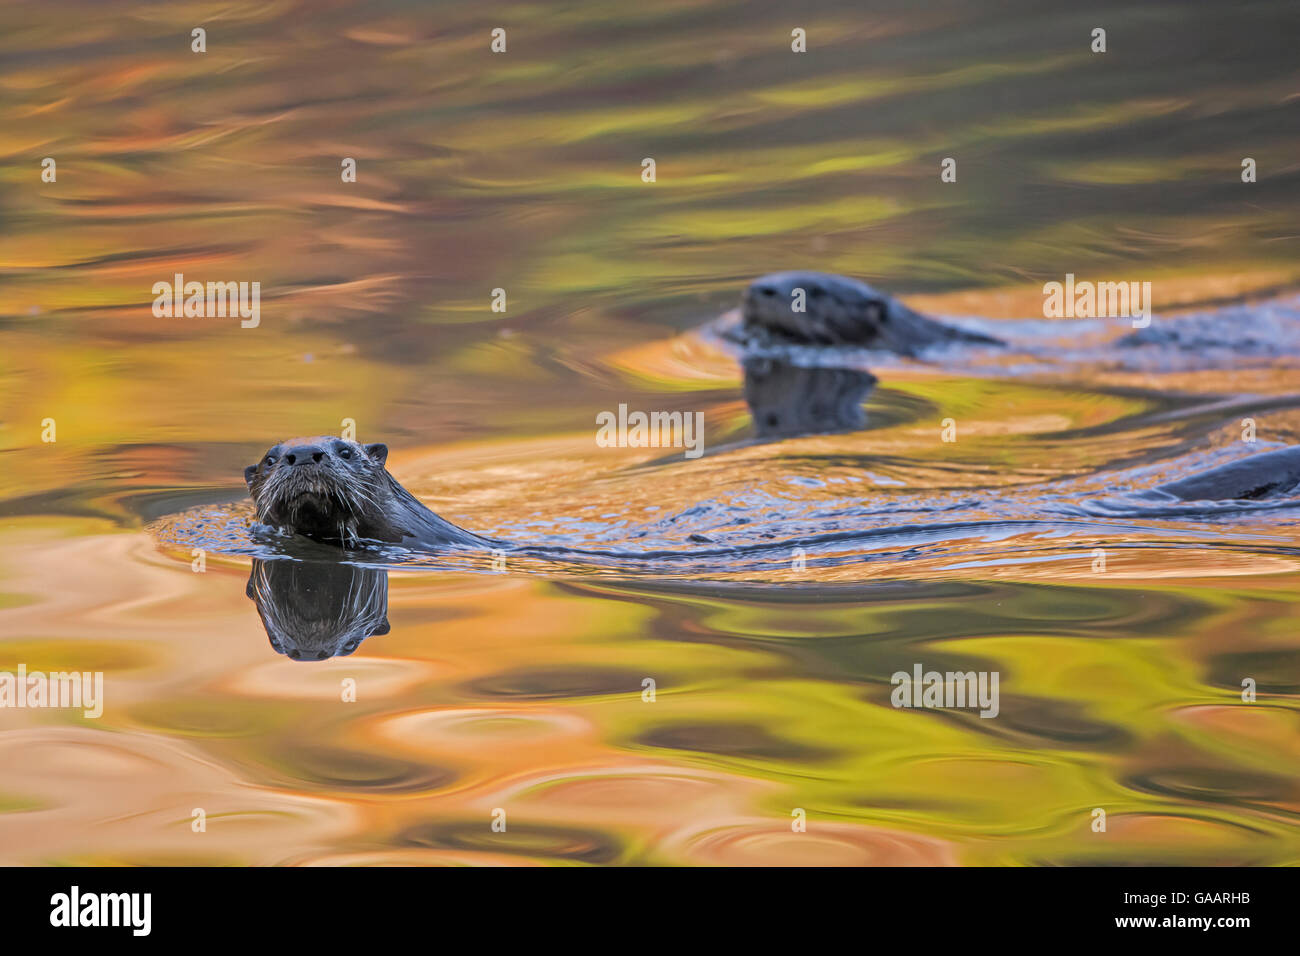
{"x":337,"y":491}
{"x":821,"y":309}
{"x":816,"y":308}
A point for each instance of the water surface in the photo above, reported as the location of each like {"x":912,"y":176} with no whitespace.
{"x":522,"y":689}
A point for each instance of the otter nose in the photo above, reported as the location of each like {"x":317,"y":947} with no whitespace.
{"x":301,"y":456}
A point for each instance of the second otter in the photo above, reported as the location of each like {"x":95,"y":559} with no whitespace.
{"x":817,"y":308}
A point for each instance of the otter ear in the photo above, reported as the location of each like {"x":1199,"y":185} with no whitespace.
{"x":249,"y":472}
{"x":378,"y":452}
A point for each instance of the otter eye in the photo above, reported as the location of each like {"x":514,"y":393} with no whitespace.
{"x":345,"y":453}
{"x":270,"y":459}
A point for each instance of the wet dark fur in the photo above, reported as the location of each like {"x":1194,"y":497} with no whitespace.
{"x":1265,"y":475}
{"x":339,"y":492}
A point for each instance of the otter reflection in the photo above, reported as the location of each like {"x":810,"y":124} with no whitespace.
{"x":788,"y":400}
{"x":313,"y":611}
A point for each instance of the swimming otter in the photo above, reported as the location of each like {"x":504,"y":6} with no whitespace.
{"x":338,"y":492}
{"x":1258,"y":476}
{"x":816,"y":308}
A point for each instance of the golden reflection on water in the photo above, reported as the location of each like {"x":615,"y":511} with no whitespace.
{"x":523,"y":691}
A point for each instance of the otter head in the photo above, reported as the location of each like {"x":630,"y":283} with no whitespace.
{"x":817,"y":308}
{"x":323,"y":487}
